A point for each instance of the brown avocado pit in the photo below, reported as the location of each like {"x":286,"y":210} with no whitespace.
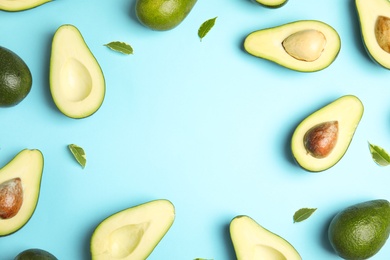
{"x":382,"y":32}
{"x":11,"y":198}
{"x":320,"y":140}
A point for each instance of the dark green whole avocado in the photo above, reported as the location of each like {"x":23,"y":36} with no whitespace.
{"x":15,"y":78}
{"x":35,"y":254}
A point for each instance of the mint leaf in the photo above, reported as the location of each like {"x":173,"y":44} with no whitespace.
{"x":303,"y":213}
{"x":379,"y":155}
{"x":206,"y":27}
{"x":120,"y":47}
{"x":78,"y":154}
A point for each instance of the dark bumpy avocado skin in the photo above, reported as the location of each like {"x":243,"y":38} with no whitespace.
{"x":14,"y":73}
{"x":35,"y":254}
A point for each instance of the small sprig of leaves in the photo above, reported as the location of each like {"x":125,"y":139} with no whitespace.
{"x":302,"y":214}
{"x":206,"y":27}
{"x":379,"y":155}
{"x":122,"y":47}
{"x":78,"y":154}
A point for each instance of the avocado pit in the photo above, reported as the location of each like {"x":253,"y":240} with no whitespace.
{"x":320,"y":140}
{"x":305,"y":45}
{"x":382,"y":32}
{"x":11,"y":198}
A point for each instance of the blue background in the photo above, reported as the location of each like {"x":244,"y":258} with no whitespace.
{"x":201,"y":123}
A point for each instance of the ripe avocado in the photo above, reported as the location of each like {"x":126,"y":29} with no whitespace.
{"x":20,"y":182}
{"x":15,"y":78}
{"x":272,"y":3}
{"x":77,"y":82}
{"x":374,"y":18}
{"x":132,"y":233}
{"x":306,"y":45}
{"x":35,"y":254}
{"x":20,"y":5}
{"x":251,"y":241}
{"x":322,"y":138}
{"x":163,"y":15}
{"x":361,"y":230}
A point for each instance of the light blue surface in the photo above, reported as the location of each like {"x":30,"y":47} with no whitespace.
{"x":203,"y":124}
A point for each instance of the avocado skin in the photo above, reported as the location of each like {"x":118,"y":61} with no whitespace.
{"x":35,"y":254}
{"x":155,"y":14}
{"x":15,"y":78}
{"x":362,"y":219}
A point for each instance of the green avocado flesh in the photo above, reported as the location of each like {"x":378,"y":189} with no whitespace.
{"x":306,"y":45}
{"x":77,"y":82}
{"x":361,"y":230}
{"x":374,"y":17}
{"x":20,"y":182}
{"x":272,"y":3}
{"x":20,"y":5}
{"x":251,"y":241}
{"x":163,"y":15}
{"x":35,"y":254}
{"x":347,"y":112}
{"x":132,"y":233}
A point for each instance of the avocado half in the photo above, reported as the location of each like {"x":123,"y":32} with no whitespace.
{"x":20,"y":5}
{"x":251,"y":241}
{"x":374,"y":18}
{"x":305,"y":45}
{"x":77,"y":83}
{"x":272,"y":3}
{"x":20,"y":182}
{"x":347,"y":112}
{"x":132,"y":233}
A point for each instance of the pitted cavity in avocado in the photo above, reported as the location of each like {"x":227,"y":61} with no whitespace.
{"x":11,"y":198}
{"x":382,"y":32}
{"x":305,"y":45}
{"x":320,"y":140}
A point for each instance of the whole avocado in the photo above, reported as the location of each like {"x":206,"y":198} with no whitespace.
{"x":35,"y":254}
{"x":15,"y":78}
{"x":163,"y":15}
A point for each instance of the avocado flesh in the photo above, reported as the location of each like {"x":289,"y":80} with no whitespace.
{"x":20,"y":5}
{"x":361,"y":230}
{"x":251,"y":241}
{"x":272,"y":3}
{"x":77,"y":82}
{"x":28,"y":166}
{"x":368,"y":13}
{"x":267,"y":44}
{"x":163,"y":15}
{"x":347,"y":111}
{"x":132,"y":233}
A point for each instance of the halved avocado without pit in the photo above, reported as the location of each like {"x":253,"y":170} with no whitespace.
{"x":322,"y":138}
{"x":374,"y":18}
{"x":20,"y":5}
{"x":132,"y":233}
{"x":272,"y":3}
{"x":305,"y":45}
{"x":251,"y":241}
{"x":20,"y":182}
{"x":77,"y":82}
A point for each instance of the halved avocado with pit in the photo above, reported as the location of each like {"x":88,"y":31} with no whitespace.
{"x":272,"y":3}
{"x":20,"y":182}
{"x":306,"y":45}
{"x":322,"y":138}
{"x":20,"y":5}
{"x":251,"y":241}
{"x":77,"y":82}
{"x":132,"y":233}
{"x":374,"y":18}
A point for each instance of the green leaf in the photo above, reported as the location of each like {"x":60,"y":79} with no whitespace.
{"x":206,"y":27}
{"x":303,"y":213}
{"x":78,"y":154}
{"x":379,"y":155}
{"x":120,"y":47}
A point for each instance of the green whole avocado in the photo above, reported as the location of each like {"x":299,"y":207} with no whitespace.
{"x":15,"y":78}
{"x":360,"y":231}
{"x":35,"y":254}
{"x":163,"y":15}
